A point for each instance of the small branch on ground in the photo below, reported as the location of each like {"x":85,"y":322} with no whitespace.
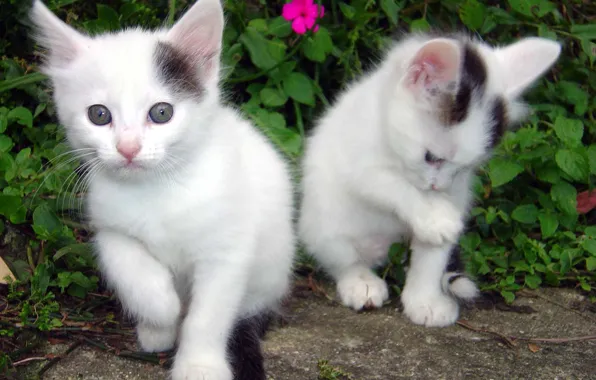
{"x":57,"y":358}
{"x":25,"y":361}
{"x":503,"y":338}
{"x":530,"y":294}
{"x":510,"y":341}
{"x":556,"y":340}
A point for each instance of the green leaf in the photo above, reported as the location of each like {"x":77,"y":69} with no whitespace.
{"x":533,"y":281}
{"x":549,"y":173}
{"x":548,"y":224}
{"x":78,"y":249}
{"x":587,"y":31}
{"x":273,"y":125}
{"x":571,"y":93}
{"x":566,"y":260}
{"x":591,"y":264}
{"x":565,"y":197}
{"x":258,"y":49}
{"x":22,"y":116}
{"x":525,"y":214}
{"x":299,"y":87}
{"x":391,"y":9}
{"x":590,"y":246}
{"x":470,"y":241}
{"x":41,"y":279}
{"x":317,"y":47}
{"x":76,"y":290}
{"x":530,"y":255}
{"x":419,"y":25}
{"x":589,"y":49}
{"x":532,"y":8}
{"x":347,"y":10}
{"x":279,"y":27}
{"x":273,"y":97}
{"x":573,"y":163}
{"x":508,"y":296}
{"x":9,"y":204}
{"x":502,"y":171}
{"x":570,"y":131}
{"x":108,"y":16}
{"x":259,"y":24}
{"x":591,"y":152}
{"x":472,"y":14}
{"x":23,"y":80}
{"x":45,"y":221}
{"x":6,"y":143}
{"x":590,"y":231}
{"x":64,"y":280}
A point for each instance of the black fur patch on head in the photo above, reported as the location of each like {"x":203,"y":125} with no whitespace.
{"x":498,"y":116}
{"x":177,"y":70}
{"x":472,"y":82}
{"x":244,"y":348}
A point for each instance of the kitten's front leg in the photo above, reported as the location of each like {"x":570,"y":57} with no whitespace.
{"x":434,"y":219}
{"x":217,"y":292}
{"x":143,"y":285}
{"x":437,"y":221}
{"x":423,"y":299}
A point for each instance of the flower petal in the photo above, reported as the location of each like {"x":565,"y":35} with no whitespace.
{"x":291,"y":10}
{"x":309,"y":22}
{"x":298,"y":25}
{"x":312,"y":11}
{"x":315,"y":29}
{"x":321,"y":11}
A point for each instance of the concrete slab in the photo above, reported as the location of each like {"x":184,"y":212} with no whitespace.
{"x":383,"y":344}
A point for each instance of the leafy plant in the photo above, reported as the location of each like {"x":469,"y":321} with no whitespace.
{"x":526,"y":231}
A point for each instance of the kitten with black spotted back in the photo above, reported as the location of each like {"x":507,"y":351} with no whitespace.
{"x":393,"y":159}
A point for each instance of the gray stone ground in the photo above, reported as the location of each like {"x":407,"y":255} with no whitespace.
{"x":382,"y":344}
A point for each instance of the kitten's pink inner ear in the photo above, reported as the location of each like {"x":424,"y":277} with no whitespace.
{"x":435,"y":65}
{"x":198,"y":34}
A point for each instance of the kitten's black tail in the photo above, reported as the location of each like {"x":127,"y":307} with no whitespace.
{"x":455,"y":281}
{"x":244,"y":347}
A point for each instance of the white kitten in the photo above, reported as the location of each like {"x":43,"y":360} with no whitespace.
{"x":393,"y":159}
{"x":191,"y":205}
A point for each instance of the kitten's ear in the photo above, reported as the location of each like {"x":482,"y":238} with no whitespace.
{"x":63,"y":42}
{"x":198,"y":35}
{"x":525,"y":61}
{"x":435,"y":65}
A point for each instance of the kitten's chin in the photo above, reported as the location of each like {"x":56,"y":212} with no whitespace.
{"x":131,"y":170}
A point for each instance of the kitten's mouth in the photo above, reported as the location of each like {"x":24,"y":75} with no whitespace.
{"x":131,"y":166}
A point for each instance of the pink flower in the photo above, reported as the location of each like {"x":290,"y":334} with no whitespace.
{"x":303,"y":14}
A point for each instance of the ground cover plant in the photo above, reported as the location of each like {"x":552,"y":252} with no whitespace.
{"x":534,"y":221}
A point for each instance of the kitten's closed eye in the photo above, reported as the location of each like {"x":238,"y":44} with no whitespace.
{"x":432,"y":159}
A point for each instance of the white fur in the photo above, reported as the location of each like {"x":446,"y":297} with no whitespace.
{"x":366,"y":183}
{"x":205,"y":219}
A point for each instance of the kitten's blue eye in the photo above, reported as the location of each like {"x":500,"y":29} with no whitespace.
{"x":432,"y":159}
{"x":99,"y":114}
{"x":161,"y":113}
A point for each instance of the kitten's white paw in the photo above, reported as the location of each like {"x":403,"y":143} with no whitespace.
{"x":205,"y":368}
{"x":431,"y":310}
{"x":156,"y":339}
{"x":440,"y":223}
{"x":362,"y":288}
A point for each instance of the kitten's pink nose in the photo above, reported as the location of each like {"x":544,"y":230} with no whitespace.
{"x":128,"y":148}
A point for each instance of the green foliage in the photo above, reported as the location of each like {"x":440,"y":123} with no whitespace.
{"x":526,"y":229}
{"x":329,"y":372}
